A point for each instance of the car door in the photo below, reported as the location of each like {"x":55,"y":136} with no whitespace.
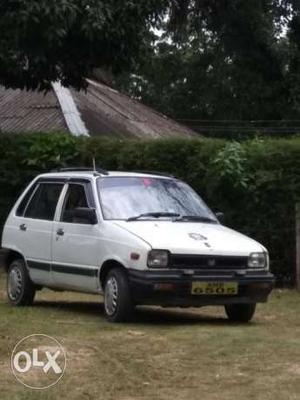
{"x":75,"y":245}
{"x":35,"y":228}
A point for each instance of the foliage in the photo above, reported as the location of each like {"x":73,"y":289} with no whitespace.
{"x":255,"y":183}
{"x":42,"y":41}
{"x":224,"y":60}
{"x":229,"y":164}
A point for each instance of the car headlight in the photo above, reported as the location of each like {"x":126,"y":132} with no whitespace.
{"x":258,"y":261}
{"x":158,"y":258}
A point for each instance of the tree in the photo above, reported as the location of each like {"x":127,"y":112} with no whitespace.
{"x":221,"y":59}
{"x":43,"y":41}
{"x":294,"y":55}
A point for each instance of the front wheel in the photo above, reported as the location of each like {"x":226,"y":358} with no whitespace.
{"x":240,"y":312}
{"x":20,"y":289}
{"x":118,"y":305}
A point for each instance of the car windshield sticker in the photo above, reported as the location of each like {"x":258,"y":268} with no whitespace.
{"x":147,"y":181}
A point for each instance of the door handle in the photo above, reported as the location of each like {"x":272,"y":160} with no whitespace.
{"x":23,"y":227}
{"x":60,"y":232}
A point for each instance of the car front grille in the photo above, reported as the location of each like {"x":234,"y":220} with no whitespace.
{"x":183,"y":261}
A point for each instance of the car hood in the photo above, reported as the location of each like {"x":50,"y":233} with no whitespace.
{"x":192,"y":238}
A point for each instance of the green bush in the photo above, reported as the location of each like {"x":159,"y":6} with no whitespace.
{"x":256,"y":183}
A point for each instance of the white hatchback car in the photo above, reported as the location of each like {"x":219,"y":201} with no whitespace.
{"x":136,"y":238}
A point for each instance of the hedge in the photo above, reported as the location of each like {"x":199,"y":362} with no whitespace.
{"x":256,"y":183}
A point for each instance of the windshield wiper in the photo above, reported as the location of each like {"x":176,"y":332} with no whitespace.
{"x":196,"y":218}
{"x":154,"y":215}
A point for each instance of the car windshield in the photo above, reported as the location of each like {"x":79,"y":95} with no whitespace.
{"x":134,"y":198}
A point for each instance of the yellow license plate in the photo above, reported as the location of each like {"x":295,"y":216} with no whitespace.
{"x":215,"y":288}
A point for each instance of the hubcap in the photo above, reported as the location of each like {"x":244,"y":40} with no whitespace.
{"x":15,"y":283}
{"x":111,"y":296}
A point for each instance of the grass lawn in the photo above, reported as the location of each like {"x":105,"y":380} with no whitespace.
{"x":164,"y":354}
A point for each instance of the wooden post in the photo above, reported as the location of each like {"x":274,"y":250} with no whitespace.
{"x":298,"y":246}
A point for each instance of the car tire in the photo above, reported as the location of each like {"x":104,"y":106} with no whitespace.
{"x":118,"y":305}
{"x":20,"y":288}
{"x":240,"y":312}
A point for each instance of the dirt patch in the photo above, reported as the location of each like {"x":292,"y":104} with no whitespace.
{"x":294,"y":369}
{"x":78,"y":359}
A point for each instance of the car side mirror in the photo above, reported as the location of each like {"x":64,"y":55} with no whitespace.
{"x":220,"y":216}
{"x":85,"y":215}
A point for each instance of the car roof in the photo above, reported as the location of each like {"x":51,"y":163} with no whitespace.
{"x":108,"y":174}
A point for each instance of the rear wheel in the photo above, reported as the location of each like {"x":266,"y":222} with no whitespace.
{"x":240,"y":312}
{"x":20,"y":289}
{"x":118,"y":305}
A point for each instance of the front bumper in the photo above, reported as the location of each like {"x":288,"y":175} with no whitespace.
{"x":173,"y":287}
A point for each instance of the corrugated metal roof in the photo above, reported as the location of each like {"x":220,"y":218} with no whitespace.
{"x":108,"y":112}
{"x":98,"y":111}
{"x":28,"y":111}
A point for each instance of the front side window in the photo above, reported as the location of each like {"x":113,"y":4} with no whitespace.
{"x":123,"y":198}
{"x":44,"y":201}
{"x":75,"y":198}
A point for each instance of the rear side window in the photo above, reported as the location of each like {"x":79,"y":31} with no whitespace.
{"x":24,"y":202}
{"x":43,"y":203}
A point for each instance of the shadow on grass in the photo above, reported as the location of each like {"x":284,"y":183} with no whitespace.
{"x":142,"y":315}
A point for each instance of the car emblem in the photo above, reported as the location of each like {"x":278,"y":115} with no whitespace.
{"x":197,"y":236}
{"x":212,"y":262}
